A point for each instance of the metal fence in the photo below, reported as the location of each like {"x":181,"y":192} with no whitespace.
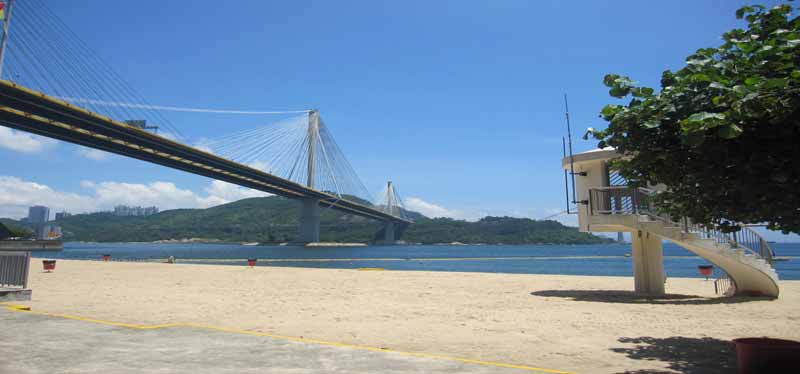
{"x":14,"y":269}
{"x":619,"y":200}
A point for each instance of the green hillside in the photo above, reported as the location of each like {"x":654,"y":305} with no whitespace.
{"x":274,"y":219}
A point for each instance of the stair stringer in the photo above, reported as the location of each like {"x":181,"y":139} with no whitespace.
{"x":752,"y":275}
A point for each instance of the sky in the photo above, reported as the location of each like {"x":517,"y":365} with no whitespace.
{"x":459,"y":103}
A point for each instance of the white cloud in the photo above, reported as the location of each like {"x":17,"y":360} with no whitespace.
{"x":22,"y":141}
{"x":220,"y":192}
{"x":93,"y":154}
{"x":434,"y":210}
{"x":16,"y":195}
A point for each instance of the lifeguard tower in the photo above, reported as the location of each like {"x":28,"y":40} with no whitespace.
{"x":605,"y":203}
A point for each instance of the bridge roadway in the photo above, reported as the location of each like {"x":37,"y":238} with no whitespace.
{"x":31,"y":111}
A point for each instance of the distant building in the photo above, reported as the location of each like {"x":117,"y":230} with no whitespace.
{"x":38,"y":214}
{"x":62,"y":215}
{"x":125,"y":211}
{"x":48,"y":232}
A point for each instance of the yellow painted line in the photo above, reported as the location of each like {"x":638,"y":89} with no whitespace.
{"x":27,"y":309}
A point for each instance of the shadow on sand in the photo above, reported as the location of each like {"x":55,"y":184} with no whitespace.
{"x":630,"y":297}
{"x":682,"y":354}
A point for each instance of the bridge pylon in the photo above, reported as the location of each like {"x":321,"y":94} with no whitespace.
{"x":392,"y":230}
{"x":309,"y":216}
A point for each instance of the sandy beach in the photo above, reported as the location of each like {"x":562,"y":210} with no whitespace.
{"x":573,"y":323}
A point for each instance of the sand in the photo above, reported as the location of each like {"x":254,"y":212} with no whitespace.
{"x":573,"y":323}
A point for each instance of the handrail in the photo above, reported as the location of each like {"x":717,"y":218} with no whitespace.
{"x":725,"y":285}
{"x":615,"y":200}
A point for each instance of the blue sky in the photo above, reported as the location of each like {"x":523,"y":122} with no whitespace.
{"x":458,"y":102}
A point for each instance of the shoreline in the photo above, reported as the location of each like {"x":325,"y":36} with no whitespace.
{"x":577,"y":323}
{"x":335,"y":244}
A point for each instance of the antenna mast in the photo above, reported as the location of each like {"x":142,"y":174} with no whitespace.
{"x":571,"y":158}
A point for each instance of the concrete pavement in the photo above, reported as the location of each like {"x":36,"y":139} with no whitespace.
{"x":32,"y":343}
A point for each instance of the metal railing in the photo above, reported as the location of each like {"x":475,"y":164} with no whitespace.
{"x":724,"y":286}
{"x":14,"y":269}
{"x":619,"y":200}
{"x":630,"y":200}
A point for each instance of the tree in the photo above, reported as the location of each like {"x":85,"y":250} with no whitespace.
{"x":723,"y":134}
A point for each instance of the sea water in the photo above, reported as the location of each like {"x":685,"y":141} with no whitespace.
{"x":606,"y":259}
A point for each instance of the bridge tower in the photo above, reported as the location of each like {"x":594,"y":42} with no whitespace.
{"x":309,"y":218}
{"x":392,"y":230}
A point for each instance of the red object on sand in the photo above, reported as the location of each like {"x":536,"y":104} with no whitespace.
{"x":251,"y":262}
{"x":765,"y":355}
{"x":49,"y":265}
{"x":106,"y":258}
{"x":706,"y":270}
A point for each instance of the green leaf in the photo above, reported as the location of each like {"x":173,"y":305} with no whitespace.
{"x":752,"y":81}
{"x":774,"y":83}
{"x":741,"y":11}
{"x":796,"y":74}
{"x":704,"y":116}
{"x":718,"y":86}
{"x":718,"y":100}
{"x":698,"y":61}
{"x":740,"y":90}
{"x":609,"y":111}
{"x":619,"y":92}
{"x":609,"y":79}
{"x":642,"y":92}
{"x":729,"y":132}
{"x":651,"y":124}
{"x":700,"y":77}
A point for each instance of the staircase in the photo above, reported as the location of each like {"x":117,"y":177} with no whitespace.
{"x":744,"y":255}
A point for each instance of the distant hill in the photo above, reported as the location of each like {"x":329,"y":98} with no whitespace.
{"x":274,"y":219}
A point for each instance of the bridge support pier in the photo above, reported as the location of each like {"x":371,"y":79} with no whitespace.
{"x":309,"y":222}
{"x":388,"y":232}
{"x":391,"y":234}
{"x":648,"y":263}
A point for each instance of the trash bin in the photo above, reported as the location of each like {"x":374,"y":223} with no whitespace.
{"x":766,"y":355}
{"x":49,"y":265}
{"x":706,"y":270}
{"x":106,"y":258}
{"x":251,"y":262}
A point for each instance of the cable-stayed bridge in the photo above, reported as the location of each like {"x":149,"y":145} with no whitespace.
{"x":59,"y":88}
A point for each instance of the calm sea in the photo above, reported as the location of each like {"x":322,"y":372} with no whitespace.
{"x":606,"y":259}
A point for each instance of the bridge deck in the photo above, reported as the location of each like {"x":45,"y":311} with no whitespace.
{"x":34,"y":112}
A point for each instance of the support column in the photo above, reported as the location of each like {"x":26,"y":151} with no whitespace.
{"x":648,"y":263}
{"x":389,"y":232}
{"x":309,"y":221}
{"x":309,"y":217}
